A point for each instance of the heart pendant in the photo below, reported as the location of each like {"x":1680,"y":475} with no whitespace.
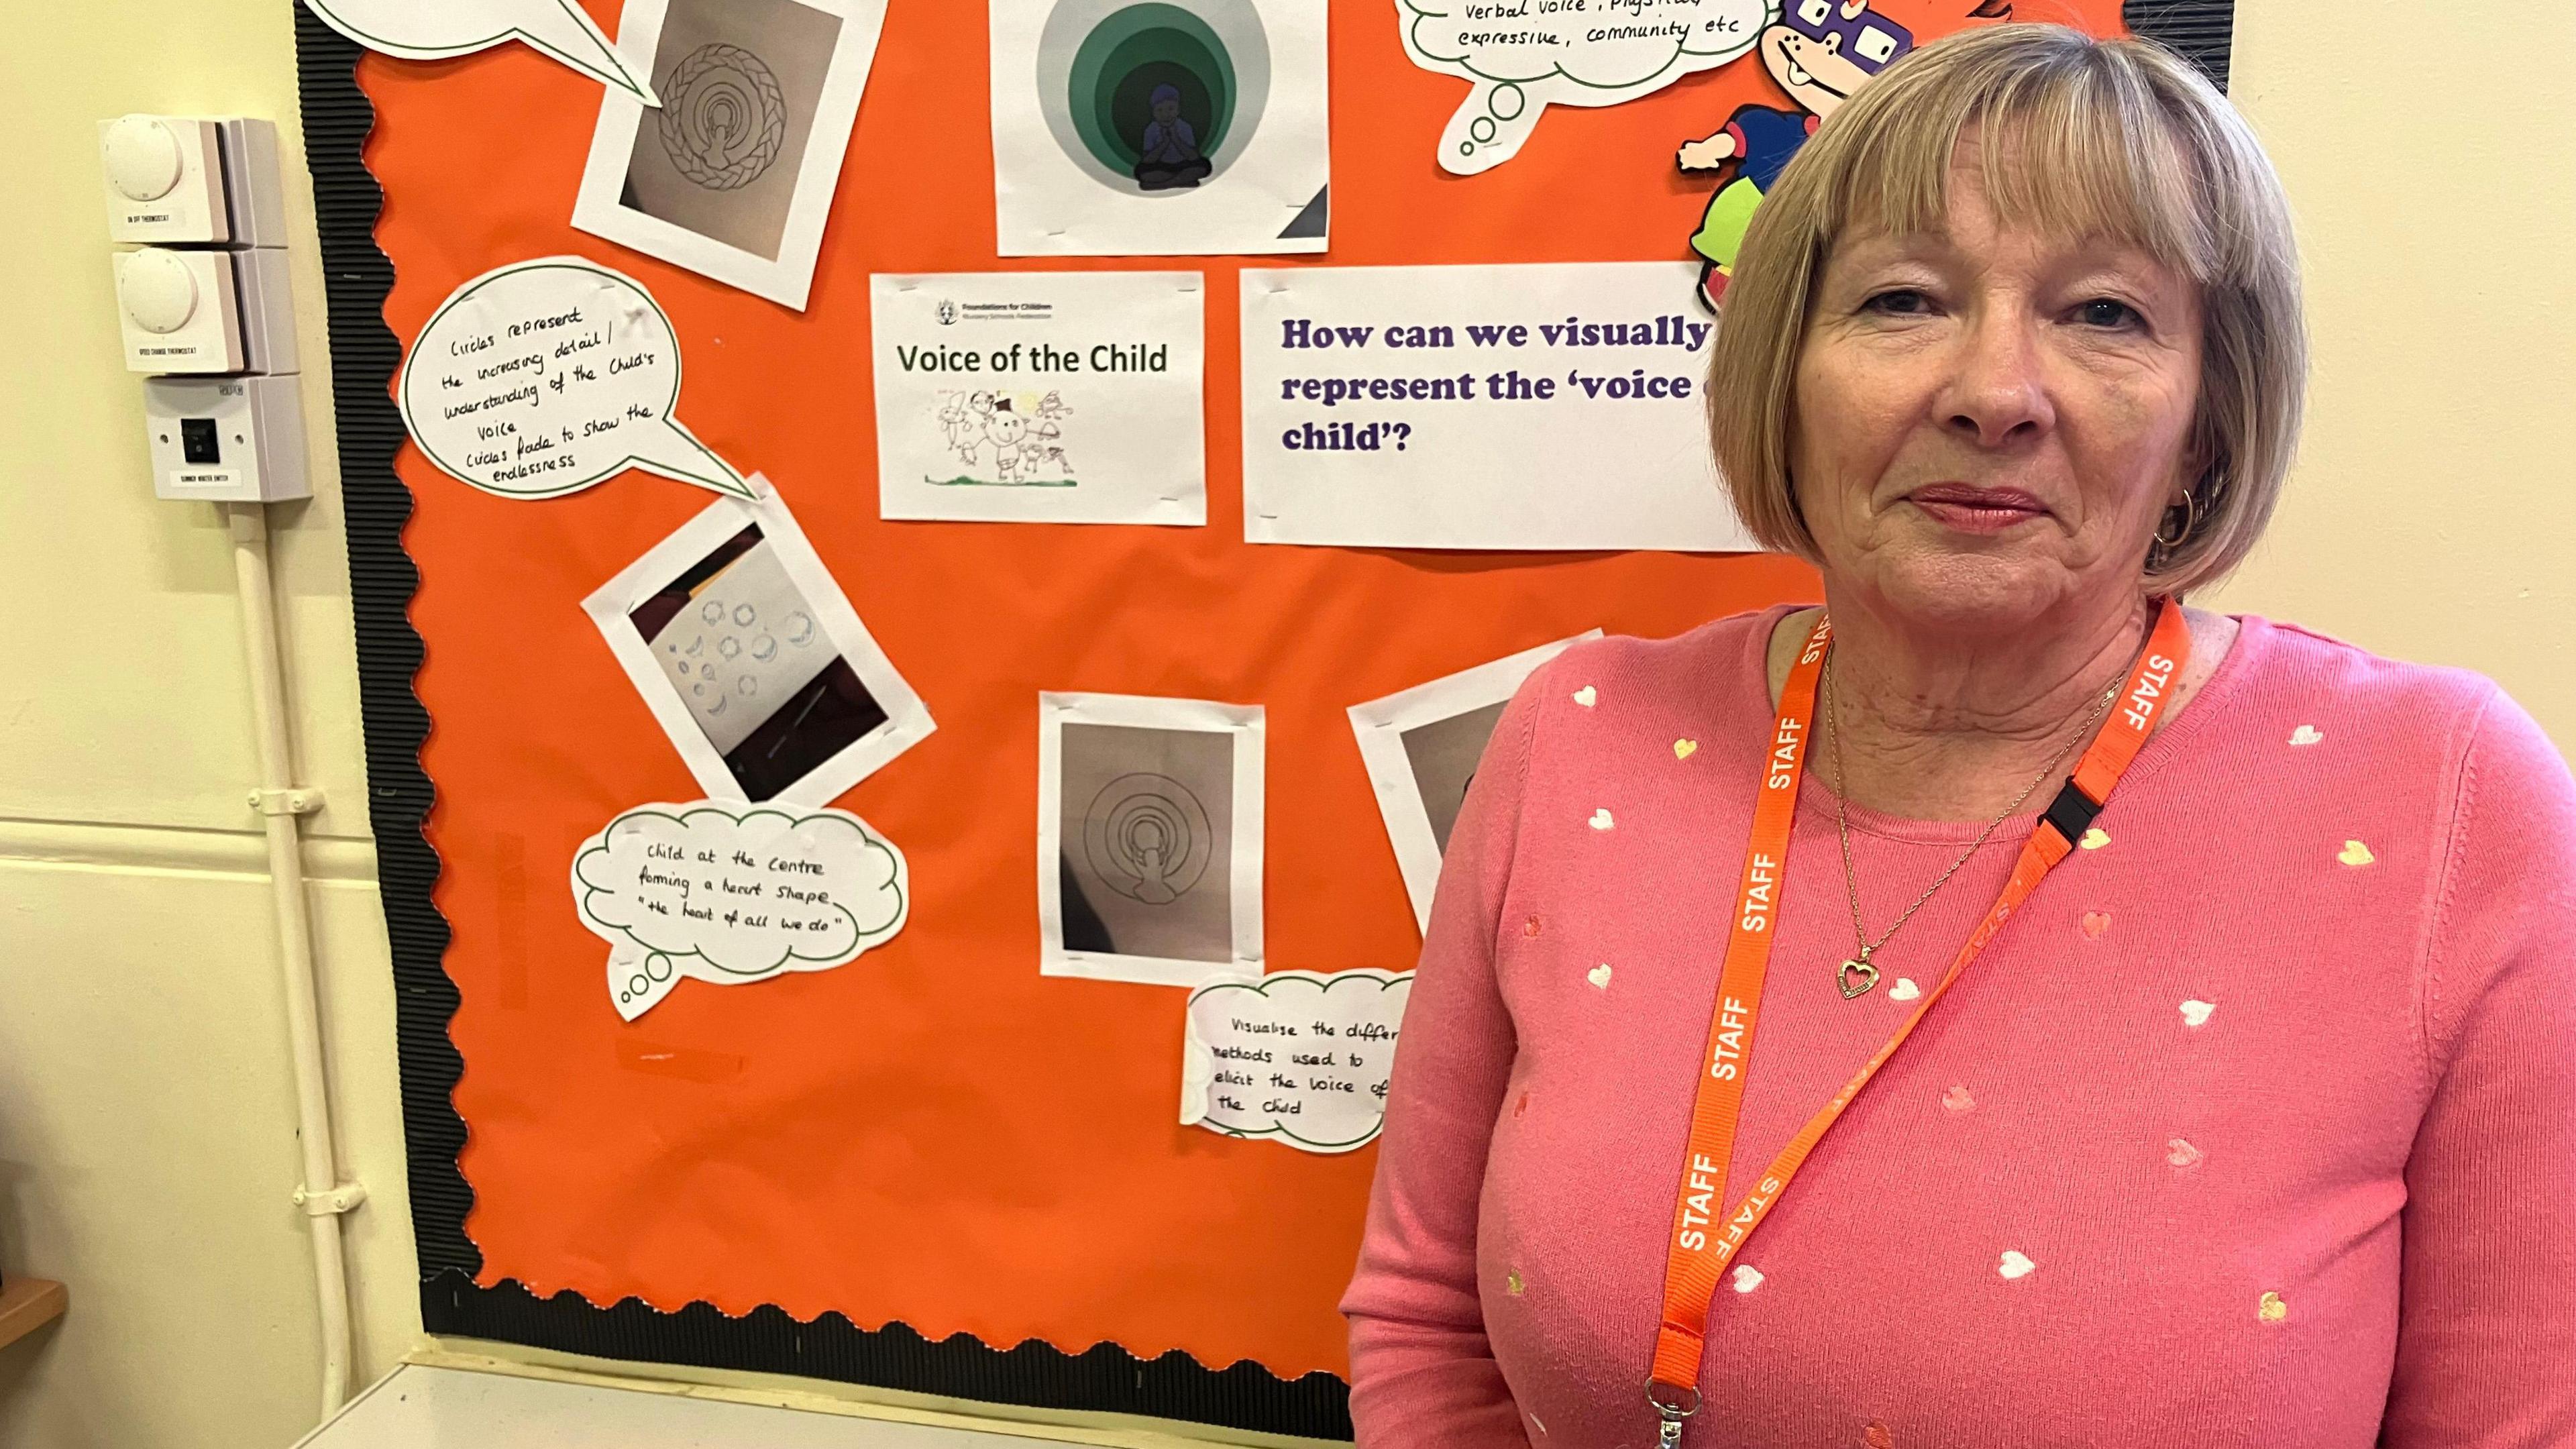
{"x":1856,"y":978}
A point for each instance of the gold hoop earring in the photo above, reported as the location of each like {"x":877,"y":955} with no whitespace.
{"x":2189,"y":508}
{"x":2189,"y":521}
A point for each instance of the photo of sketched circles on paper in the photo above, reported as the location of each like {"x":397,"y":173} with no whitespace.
{"x":752,"y":660}
{"x":1159,"y":127}
{"x":1149,"y":838}
{"x":1421,"y":746}
{"x":732,"y":177}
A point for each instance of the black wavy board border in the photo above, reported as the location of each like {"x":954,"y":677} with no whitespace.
{"x":364,"y":355}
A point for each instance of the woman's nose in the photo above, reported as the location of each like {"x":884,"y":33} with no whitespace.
{"x":1997,"y":396}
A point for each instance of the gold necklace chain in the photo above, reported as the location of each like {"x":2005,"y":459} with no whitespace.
{"x":1856,"y":976}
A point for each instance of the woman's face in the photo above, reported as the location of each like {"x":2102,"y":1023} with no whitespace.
{"x":1989,"y":422}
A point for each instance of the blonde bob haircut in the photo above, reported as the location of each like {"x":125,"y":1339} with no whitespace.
{"x":2081,"y":138}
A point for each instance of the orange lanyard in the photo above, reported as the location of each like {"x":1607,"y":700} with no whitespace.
{"x":1703,"y":1242}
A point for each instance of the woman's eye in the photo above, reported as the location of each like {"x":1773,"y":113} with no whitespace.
{"x":2104,"y":312}
{"x":1898,"y":302}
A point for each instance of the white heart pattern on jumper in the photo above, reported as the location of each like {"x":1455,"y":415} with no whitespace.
{"x":1747,"y":1278}
{"x":2306,"y":735}
{"x":2014,"y":1265}
{"x":1601,"y":819}
{"x":1599,"y":976}
{"x":2196,"y":1013}
{"x":1585,"y":696}
{"x":1904,"y":989}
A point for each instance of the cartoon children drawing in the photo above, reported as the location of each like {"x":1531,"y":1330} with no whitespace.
{"x":1046,"y":431}
{"x":1171,"y":148}
{"x":1008,"y":432}
{"x":1820,"y":51}
{"x":1020,"y":446}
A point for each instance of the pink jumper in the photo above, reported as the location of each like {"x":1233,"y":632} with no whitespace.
{"x":2256,"y":1127}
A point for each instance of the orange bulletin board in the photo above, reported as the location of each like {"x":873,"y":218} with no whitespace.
{"x":934,"y":1135}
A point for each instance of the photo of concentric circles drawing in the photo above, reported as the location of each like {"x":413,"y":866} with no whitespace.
{"x":1147,"y":837}
{"x":723,"y":116}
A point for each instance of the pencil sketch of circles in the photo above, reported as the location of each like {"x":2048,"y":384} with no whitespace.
{"x":1147,"y":838}
{"x":1099,"y":63}
{"x":764,"y":648}
{"x":723,"y":117}
{"x":800,"y":629}
{"x":713,"y":612}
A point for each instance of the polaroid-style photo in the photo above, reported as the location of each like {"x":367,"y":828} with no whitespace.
{"x":1421,"y":746}
{"x":1175,"y":128}
{"x":732,"y":175}
{"x":1149,"y":838}
{"x":753,"y":661}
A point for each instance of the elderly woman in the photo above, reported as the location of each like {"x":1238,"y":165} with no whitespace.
{"x":2003,"y":1006}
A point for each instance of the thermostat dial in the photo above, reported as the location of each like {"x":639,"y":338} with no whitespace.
{"x":158,"y":290}
{"x":143,"y":157}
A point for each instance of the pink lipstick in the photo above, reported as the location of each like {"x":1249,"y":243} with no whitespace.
{"x":1977,"y":510}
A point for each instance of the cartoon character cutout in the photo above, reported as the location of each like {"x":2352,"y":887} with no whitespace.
{"x":1820,"y":51}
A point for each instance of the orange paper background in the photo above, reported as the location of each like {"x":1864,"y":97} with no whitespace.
{"x":934,"y":1133}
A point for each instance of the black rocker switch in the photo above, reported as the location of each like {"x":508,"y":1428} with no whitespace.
{"x":198,"y":442}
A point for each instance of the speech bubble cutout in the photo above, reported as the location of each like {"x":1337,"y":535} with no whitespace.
{"x":1294,"y":1056}
{"x":437,"y":29}
{"x":734,"y":893}
{"x":1526,"y":55}
{"x":542,"y":378}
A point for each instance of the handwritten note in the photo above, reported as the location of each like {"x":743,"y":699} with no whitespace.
{"x":1295,"y":1056}
{"x":734,"y":893}
{"x":542,"y":378}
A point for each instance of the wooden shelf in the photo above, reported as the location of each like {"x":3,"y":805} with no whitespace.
{"x":27,"y":1304}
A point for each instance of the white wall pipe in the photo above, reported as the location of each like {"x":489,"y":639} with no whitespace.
{"x":281,"y":804}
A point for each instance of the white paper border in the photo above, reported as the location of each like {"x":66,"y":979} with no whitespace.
{"x":790,"y":279}
{"x":907,"y":722}
{"x":1380,"y":725}
{"x":1145,"y":711}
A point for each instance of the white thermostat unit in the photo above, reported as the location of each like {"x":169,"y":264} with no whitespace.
{"x":177,"y":179}
{"x":226,"y":439}
{"x":205,"y":311}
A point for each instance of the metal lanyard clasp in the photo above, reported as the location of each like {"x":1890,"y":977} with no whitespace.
{"x":1672,"y":1406}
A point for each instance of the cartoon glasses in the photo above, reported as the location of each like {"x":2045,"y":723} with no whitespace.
{"x":1868,"y":40}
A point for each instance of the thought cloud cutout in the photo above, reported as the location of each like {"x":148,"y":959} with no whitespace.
{"x":436,"y":29}
{"x":542,"y":378}
{"x":1526,"y":55}
{"x":1298,"y":1057}
{"x":730,"y":894}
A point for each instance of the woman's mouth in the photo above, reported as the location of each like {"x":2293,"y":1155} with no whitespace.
{"x":1977,"y":510}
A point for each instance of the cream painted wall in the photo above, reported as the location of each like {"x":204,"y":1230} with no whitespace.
{"x":146,"y":1147}
{"x":147,"y":1125}
{"x":2433,"y":513}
